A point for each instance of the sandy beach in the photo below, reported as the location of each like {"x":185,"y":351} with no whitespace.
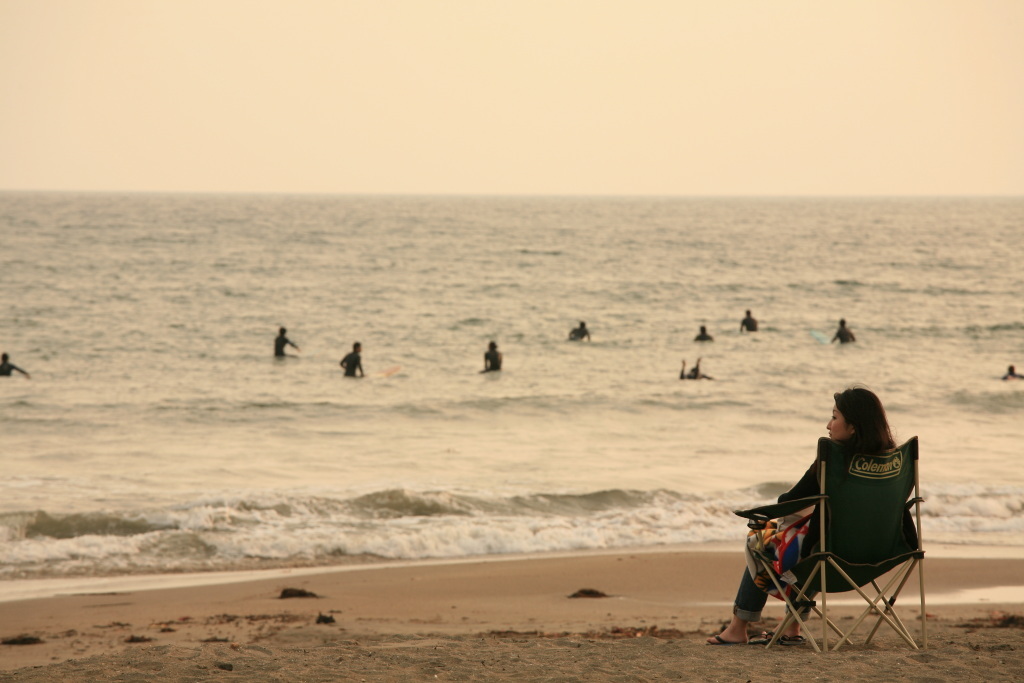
{"x":509,"y":619}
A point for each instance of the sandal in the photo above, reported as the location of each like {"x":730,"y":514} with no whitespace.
{"x":792,"y":640}
{"x":719,"y":640}
{"x":763,"y":639}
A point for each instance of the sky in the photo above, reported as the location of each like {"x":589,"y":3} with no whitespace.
{"x":531,"y":97}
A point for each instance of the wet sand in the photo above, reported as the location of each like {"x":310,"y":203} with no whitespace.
{"x":500,"y":620}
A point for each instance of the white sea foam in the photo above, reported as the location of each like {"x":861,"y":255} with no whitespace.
{"x":401,"y":524}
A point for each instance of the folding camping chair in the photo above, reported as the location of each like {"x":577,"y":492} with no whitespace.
{"x":861,"y":511}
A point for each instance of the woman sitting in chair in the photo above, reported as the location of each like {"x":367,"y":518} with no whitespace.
{"x":859,"y":424}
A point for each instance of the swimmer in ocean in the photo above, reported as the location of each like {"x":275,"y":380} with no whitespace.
{"x":492,"y":358}
{"x":579,"y":333}
{"x":748,"y":324}
{"x":843,"y":334}
{"x":353,"y":361}
{"x":280,"y":341}
{"x":7,"y":367}
{"x":703,"y":336}
{"x":1011,"y":372}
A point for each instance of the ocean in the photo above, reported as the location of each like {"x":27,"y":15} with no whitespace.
{"x":158,"y":434}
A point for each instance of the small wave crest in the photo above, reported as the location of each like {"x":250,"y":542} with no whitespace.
{"x":397,"y":503}
{"x":39,"y":524}
{"x":540,"y":252}
{"x":989,"y":402}
{"x":998,"y":328}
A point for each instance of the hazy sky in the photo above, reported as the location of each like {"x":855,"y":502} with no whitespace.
{"x":666,"y":97}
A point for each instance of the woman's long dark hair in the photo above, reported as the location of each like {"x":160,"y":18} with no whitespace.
{"x":862,"y":409}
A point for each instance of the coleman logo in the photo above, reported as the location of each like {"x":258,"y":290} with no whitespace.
{"x":877,"y":466}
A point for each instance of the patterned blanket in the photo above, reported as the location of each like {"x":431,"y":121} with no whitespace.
{"x":782,"y":544}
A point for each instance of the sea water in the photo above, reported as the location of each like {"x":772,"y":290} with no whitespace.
{"x":159,"y":434}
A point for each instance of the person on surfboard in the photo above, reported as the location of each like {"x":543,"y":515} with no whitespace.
{"x":579,"y":333}
{"x":694,"y":373}
{"x":353,"y":361}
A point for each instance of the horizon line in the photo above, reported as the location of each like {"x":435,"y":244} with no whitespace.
{"x":518,"y":195}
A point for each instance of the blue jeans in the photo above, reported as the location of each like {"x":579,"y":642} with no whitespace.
{"x":750,"y":600}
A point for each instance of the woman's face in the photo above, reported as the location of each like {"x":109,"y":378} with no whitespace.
{"x":838,"y":428}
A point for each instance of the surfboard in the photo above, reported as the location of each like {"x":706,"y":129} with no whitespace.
{"x":390,"y":371}
{"x":820,"y":336}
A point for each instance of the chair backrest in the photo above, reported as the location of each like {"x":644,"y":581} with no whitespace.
{"x":867,"y":495}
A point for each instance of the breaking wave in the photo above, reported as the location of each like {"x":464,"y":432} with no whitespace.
{"x":277,"y":530}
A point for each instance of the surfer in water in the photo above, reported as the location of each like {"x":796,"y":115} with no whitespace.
{"x":7,"y":367}
{"x":704,"y":336}
{"x":281,"y":341}
{"x":1011,"y":372}
{"x":843,"y":334}
{"x":694,"y":373}
{"x":748,"y":324}
{"x":492,"y":358}
{"x":353,"y":361}
{"x":579,"y":333}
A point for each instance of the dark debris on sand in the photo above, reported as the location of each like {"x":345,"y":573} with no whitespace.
{"x":613,"y":633}
{"x":21,"y":640}
{"x":283,"y":618}
{"x":995,"y":620}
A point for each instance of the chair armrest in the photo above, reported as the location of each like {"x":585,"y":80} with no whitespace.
{"x":776,"y":510}
{"x":913,"y":501}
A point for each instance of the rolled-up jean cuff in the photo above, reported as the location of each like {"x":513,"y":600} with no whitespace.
{"x":746,"y":615}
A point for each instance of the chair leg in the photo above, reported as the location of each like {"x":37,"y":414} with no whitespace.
{"x":792,"y":613}
{"x":824,"y":598}
{"x":905,"y":572}
{"x":873,"y":607}
{"x":924,"y":614}
{"x":891,"y":612}
{"x":878,"y":622}
{"x":831,"y":624}
{"x":889,"y":616}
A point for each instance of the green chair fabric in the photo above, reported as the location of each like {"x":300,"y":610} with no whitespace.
{"x":866,"y":501}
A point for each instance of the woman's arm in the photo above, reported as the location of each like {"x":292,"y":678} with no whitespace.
{"x":807,"y":486}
